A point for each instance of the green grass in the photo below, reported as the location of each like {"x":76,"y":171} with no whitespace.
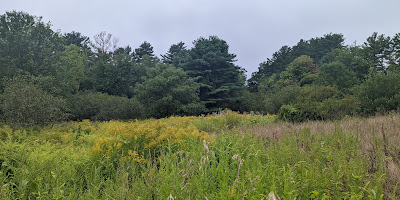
{"x":302,"y":164}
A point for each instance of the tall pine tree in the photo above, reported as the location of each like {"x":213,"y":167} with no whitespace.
{"x":213,"y":67}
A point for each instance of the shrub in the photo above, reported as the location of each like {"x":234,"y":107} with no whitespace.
{"x":100,"y":106}
{"x":26,"y":104}
{"x":379,"y":93}
{"x":325,"y":103}
{"x":289,"y":113}
{"x":319,"y":103}
{"x":286,"y":95}
{"x":251,"y":102}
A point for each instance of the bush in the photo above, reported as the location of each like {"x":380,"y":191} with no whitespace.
{"x":167,"y":91}
{"x":26,"y":104}
{"x":289,"y":113}
{"x":250,"y":101}
{"x":286,"y":95}
{"x":100,"y":106}
{"x":379,"y":93}
{"x":319,"y":103}
{"x":325,"y":103}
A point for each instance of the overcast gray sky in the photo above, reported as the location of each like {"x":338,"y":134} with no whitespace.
{"x":254,"y":29}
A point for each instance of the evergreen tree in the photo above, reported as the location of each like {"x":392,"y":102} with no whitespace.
{"x":77,"y":39}
{"x":275,"y":65}
{"x":213,"y":66}
{"x":377,"y":50}
{"x":394,"y":59}
{"x":315,"y":48}
{"x":144,"y":49}
{"x":176,"y":55}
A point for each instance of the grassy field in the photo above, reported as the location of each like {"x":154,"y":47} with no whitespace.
{"x":224,"y":156}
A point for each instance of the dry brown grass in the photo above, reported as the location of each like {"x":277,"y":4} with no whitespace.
{"x":379,"y":137}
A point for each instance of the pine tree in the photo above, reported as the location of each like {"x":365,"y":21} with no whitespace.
{"x":213,"y":66}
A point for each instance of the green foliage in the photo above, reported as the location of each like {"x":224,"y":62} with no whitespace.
{"x":168,"y":91}
{"x":118,"y":74}
{"x":100,"y":106}
{"x":27,"y":45}
{"x":395,"y":43}
{"x":76,"y":38}
{"x":33,"y":170}
{"x":379,"y":93}
{"x":275,"y":65}
{"x":25,"y":104}
{"x":64,"y":65}
{"x":337,"y":74}
{"x":352,"y":59}
{"x":377,"y":50}
{"x":319,"y":103}
{"x":220,"y":79}
{"x":251,"y":102}
{"x":325,"y":103}
{"x":144,"y":49}
{"x":269,"y":84}
{"x":315,"y":48}
{"x":71,"y":70}
{"x":176,"y":55}
{"x":285,"y":95}
{"x":298,"y":70}
{"x":290,"y":113}
{"x":394,"y":59}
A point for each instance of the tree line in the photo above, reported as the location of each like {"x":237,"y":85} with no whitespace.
{"x":48,"y":76}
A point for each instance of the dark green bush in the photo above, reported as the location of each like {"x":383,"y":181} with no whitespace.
{"x":26,"y":104}
{"x":338,"y":74}
{"x":319,"y":103}
{"x":167,"y":90}
{"x":101,"y":106}
{"x":379,"y":93}
{"x":251,"y":102}
{"x":286,"y":95}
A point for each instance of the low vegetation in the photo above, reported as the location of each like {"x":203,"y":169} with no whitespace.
{"x":226,"y":155}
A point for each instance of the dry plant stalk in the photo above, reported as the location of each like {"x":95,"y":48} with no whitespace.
{"x":240,"y":163}
{"x":385,"y":129}
{"x":272,"y":196}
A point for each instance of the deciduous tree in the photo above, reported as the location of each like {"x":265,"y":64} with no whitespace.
{"x":28,"y":45}
{"x":167,"y":90}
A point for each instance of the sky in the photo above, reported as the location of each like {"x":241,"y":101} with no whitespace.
{"x":253,"y":29}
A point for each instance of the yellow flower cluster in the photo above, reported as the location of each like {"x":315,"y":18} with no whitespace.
{"x":124,"y":140}
{"x":136,"y":139}
{"x":5,"y":132}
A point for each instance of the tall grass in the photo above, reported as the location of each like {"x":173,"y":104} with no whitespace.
{"x":378,"y":139}
{"x":241,"y":160}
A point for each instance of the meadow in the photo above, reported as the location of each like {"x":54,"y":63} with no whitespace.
{"x":221,"y":156}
